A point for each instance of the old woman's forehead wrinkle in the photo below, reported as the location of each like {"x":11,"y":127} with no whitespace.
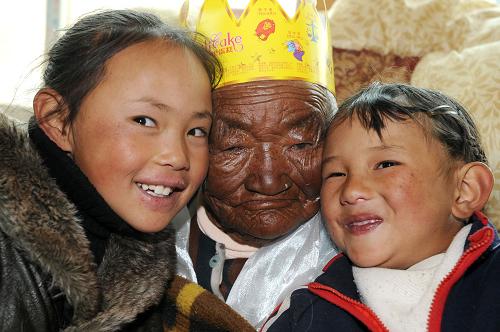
{"x":286,"y":98}
{"x":232,"y":94}
{"x":292,"y":116}
{"x":289,"y":99}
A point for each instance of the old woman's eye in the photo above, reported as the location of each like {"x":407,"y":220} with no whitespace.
{"x":233,"y":149}
{"x":301,"y":146}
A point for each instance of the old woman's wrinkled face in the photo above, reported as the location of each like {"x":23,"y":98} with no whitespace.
{"x":264,"y":173}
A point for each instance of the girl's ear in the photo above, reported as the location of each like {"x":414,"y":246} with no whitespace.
{"x":475,"y":183}
{"x":46,"y":101}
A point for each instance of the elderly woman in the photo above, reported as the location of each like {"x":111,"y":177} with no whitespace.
{"x":257,"y":233}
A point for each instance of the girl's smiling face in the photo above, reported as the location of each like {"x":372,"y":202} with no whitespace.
{"x":387,"y":203}
{"x":141,"y":135}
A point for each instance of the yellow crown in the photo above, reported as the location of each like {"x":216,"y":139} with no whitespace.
{"x":264,"y":43}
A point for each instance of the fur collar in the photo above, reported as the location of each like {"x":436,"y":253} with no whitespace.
{"x":39,"y":219}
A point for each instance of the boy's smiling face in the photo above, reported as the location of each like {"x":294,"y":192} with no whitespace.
{"x":387,"y":203}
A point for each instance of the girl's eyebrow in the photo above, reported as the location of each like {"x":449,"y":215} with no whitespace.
{"x":382,"y":147}
{"x":328,"y":159}
{"x":204,"y":114}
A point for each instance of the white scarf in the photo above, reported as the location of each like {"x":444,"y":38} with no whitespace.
{"x":273,"y":271}
{"x":402,"y":298}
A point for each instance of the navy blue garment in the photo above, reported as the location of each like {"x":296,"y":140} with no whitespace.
{"x":467,"y":300}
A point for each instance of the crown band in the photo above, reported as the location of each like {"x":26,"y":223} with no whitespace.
{"x":264,"y":43}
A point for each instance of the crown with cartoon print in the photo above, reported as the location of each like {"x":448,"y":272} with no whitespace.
{"x":265,"y":43}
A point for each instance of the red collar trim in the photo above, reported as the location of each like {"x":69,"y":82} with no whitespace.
{"x":479,"y":243}
{"x":359,"y":310}
{"x":337,"y":256}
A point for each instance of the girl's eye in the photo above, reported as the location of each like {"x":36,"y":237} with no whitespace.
{"x":145,"y":121}
{"x":198,"y":132}
{"x":386,"y":163}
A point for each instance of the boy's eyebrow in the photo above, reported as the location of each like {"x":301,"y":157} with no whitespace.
{"x":382,"y":147}
{"x":386,"y":147}
{"x":328,"y":159}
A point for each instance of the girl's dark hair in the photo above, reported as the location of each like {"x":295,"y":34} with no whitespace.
{"x":76,"y":62}
{"x":444,"y":118}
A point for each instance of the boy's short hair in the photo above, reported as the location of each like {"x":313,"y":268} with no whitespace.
{"x":444,"y":118}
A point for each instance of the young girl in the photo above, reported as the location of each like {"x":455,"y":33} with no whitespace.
{"x":117,"y":145}
{"x":404,"y":179}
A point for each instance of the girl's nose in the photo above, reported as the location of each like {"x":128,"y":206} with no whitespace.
{"x":173,"y":154}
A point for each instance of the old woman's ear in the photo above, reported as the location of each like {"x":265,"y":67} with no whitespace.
{"x":46,"y":101}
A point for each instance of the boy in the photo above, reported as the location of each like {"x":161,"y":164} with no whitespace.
{"x":404,"y":179}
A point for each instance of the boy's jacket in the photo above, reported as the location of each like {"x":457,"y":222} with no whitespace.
{"x":468,"y":299}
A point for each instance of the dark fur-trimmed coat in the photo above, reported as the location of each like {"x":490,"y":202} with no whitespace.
{"x":45,"y":258}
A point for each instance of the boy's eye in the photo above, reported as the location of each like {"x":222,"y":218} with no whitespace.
{"x":386,"y":163}
{"x":335,"y":175}
{"x":145,"y":121}
{"x":198,"y":132}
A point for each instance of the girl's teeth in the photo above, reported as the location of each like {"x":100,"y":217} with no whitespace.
{"x":158,"y":190}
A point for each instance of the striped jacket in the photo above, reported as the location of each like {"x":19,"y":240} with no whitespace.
{"x":191,"y":308}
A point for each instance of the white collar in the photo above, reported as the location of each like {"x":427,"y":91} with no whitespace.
{"x":233,"y":249}
{"x":394,"y":295}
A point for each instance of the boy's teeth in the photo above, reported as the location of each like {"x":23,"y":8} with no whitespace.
{"x":156,"y":189}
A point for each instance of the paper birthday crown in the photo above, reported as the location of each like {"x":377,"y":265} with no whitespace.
{"x":265,"y":43}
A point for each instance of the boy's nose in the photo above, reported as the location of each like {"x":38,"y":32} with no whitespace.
{"x":354,"y":190}
{"x":173,"y":154}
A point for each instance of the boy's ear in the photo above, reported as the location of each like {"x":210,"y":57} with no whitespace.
{"x":475,"y":183}
{"x":45,"y":101}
